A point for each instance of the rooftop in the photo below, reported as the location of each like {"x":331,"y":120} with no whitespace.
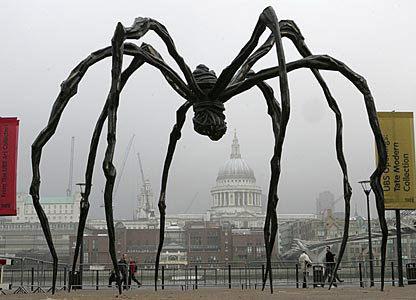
{"x":51,"y":200}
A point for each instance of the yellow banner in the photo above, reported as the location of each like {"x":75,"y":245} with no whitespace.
{"x":398,"y":180}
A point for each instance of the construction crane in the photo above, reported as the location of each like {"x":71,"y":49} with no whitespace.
{"x":146,"y":192}
{"x":192,"y":202}
{"x":123,"y":164}
{"x":71,"y":168}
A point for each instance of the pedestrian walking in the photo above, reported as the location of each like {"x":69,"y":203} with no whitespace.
{"x":122,"y":265}
{"x":330,"y":267}
{"x":305,"y":263}
{"x":132,"y":272}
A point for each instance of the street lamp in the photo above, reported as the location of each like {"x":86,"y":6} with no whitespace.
{"x":81,"y":206}
{"x":365,"y":184}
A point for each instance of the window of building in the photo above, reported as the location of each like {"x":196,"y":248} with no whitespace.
{"x":213,"y":239}
{"x":196,"y":240}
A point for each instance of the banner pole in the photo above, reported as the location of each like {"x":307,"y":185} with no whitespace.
{"x":399,"y":248}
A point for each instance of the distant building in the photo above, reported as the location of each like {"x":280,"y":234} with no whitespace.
{"x":27,"y":239}
{"x":58,"y":209}
{"x":236,"y":199}
{"x":145,"y":209}
{"x":201,"y":243}
{"x":324,"y":202}
{"x":209,"y":242}
{"x":248,"y":245}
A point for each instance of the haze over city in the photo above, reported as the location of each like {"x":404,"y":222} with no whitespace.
{"x":47,"y":39}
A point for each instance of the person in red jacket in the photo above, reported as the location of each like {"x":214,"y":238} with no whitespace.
{"x":132,"y":271}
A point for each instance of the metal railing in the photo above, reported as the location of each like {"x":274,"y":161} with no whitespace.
{"x":27,"y":275}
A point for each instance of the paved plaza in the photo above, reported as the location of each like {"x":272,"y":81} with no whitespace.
{"x":408,"y":292}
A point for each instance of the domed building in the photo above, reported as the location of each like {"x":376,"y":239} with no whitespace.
{"x":235,"y":197}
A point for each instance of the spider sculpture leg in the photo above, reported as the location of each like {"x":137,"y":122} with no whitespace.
{"x":68,"y":89}
{"x":275,"y":113}
{"x":134,"y":65}
{"x":139,"y":28}
{"x":108,"y":167}
{"x":275,"y":162}
{"x":290,"y":29}
{"x":175,"y":135}
{"x":325,"y":62}
{"x":267,"y":19}
{"x":137,"y":61}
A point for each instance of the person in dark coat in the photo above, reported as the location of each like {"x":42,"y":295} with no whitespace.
{"x":122,"y":265}
{"x":330,"y":267}
{"x":112,"y":278}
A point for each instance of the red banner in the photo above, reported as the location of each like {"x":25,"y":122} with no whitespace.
{"x":9,"y":129}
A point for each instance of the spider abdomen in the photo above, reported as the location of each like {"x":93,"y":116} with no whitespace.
{"x":209,"y":118}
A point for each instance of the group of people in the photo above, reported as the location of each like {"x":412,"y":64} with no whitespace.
{"x":305,"y":262}
{"x":127,"y":271}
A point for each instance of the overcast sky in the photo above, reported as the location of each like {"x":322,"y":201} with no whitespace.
{"x":42,"y":41}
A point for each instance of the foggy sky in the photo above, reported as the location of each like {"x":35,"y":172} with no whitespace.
{"x":42,"y":41}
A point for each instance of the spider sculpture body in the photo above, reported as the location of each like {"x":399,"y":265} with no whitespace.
{"x":207,"y":93}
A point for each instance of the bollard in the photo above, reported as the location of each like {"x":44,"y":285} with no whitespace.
{"x":249,"y":278}
{"x":196,"y":277}
{"x":65,"y":278}
{"x":37,"y":275}
{"x":97,"y":280}
{"x":163,"y":277}
{"x":229,"y":276}
{"x":186,"y":277}
{"x":361,"y":275}
{"x":297,"y":276}
{"x":262,"y":273}
{"x":245,"y":276}
{"x":392,"y":274}
{"x":216,"y":271}
{"x":21,"y":272}
{"x":43,"y":274}
{"x":32,"y":282}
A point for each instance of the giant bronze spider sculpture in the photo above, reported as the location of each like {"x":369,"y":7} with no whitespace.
{"x":206,"y":94}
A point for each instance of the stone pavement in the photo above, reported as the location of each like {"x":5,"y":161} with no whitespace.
{"x":408,"y":292}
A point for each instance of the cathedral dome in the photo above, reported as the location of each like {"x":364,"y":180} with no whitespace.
{"x":236,"y":167}
{"x":235,"y":195}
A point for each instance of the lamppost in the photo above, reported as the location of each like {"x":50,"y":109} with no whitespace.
{"x":81,"y":257}
{"x":365,"y":184}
